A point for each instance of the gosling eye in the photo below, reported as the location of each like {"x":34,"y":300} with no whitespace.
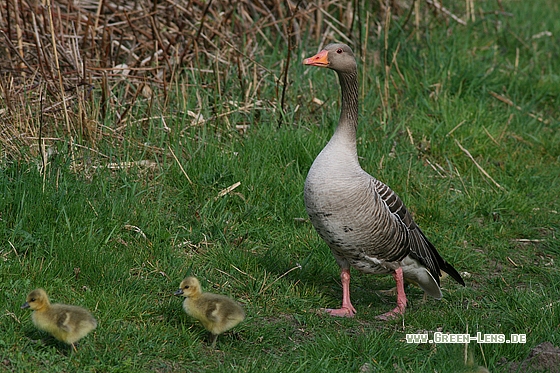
{"x":339,"y":50}
{"x":32,"y":300}
{"x":186,"y":287}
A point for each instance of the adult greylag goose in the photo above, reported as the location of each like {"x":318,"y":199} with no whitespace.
{"x":217,"y":313}
{"x":66,"y":323}
{"x":364,"y":222}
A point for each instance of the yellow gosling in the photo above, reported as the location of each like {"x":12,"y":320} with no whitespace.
{"x":66,"y":323}
{"x":217,"y":313}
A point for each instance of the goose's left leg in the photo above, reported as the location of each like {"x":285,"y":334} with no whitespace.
{"x":401,"y":297}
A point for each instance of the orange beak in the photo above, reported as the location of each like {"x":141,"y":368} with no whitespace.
{"x":320,"y":59}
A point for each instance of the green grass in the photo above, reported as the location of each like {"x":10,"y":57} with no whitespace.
{"x":70,"y":232}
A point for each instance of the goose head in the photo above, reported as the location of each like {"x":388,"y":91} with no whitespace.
{"x":338,"y":57}
{"x":189,"y":287}
{"x":36,"y":300}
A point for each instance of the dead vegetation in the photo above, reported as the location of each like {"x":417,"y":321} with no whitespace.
{"x":70,"y":72}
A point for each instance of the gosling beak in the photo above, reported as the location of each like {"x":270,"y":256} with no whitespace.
{"x":178,"y":292}
{"x":25,"y":305}
{"x":321,"y":59}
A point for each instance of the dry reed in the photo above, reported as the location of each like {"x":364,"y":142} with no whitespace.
{"x":63,"y":62}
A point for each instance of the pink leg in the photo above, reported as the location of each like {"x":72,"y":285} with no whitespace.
{"x":347,"y":309}
{"x":401,"y":297}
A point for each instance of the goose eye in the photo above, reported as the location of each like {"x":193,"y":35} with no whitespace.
{"x":32,"y":300}
{"x":339,"y":51}
{"x":186,"y":287}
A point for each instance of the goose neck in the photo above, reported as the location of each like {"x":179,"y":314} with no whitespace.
{"x":349,"y":90}
{"x":348,"y":121}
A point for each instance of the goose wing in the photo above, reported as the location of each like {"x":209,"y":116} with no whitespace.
{"x":420,"y":247}
{"x":212,"y":309}
{"x":62,"y":320}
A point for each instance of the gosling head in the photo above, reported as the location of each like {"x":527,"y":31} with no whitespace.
{"x":337,"y":56}
{"x":36,"y":300}
{"x":189,"y":287}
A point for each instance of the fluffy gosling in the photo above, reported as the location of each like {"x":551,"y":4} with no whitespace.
{"x":217,"y":313}
{"x":66,"y":323}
